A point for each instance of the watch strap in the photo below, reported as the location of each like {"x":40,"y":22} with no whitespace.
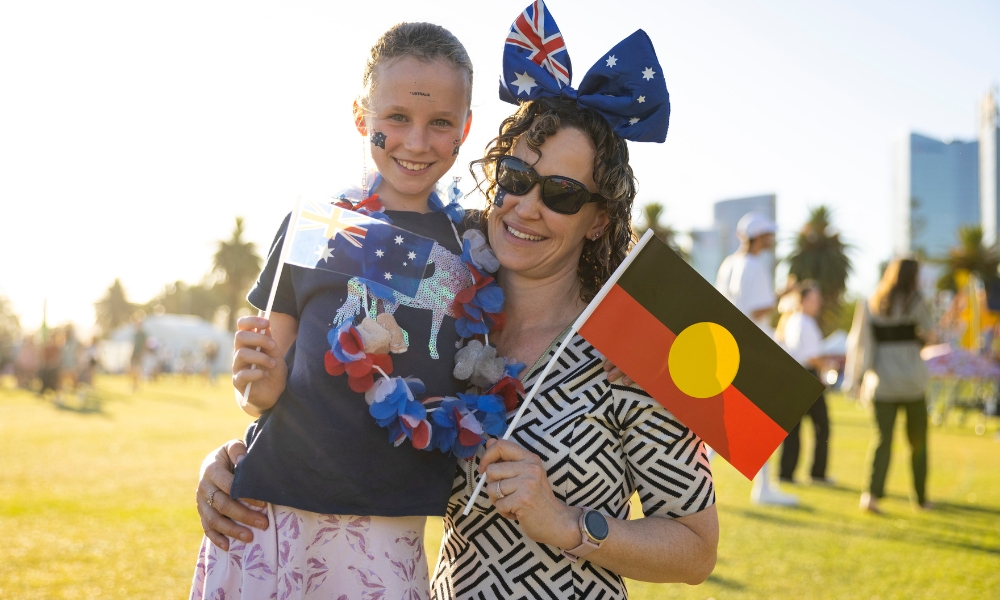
{"x":586,"y":546}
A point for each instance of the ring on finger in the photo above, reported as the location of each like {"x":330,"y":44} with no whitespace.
{"x":211,"y":497}
{"x":499,"y":492}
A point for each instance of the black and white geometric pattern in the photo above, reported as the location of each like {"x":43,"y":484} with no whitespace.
{"x":599,"y":443}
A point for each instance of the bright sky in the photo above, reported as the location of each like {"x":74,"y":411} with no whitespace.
{"x":132,"y":133}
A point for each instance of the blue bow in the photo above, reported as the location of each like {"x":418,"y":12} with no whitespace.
{"x":626,"y":86}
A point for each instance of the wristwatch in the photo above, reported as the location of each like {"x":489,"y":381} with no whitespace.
{"x":594,"y":528}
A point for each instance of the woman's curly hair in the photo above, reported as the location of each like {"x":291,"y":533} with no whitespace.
{"x":534,"y":121}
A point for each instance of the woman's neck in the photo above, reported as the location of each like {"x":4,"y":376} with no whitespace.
{"x":542,"y":305}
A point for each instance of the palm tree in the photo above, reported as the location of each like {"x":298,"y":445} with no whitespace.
{"x":238,"y":263}
{"x":651,"y":216}
{"x":970,"y":255}
{"x":820,"y":255}
{"x":114,"y":309}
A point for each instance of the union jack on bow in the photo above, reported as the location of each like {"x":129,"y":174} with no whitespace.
{"x":528,"y":32}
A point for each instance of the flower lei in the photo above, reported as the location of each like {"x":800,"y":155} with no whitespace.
{"x":456,"y":425}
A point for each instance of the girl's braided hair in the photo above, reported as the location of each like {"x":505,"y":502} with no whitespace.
{"x":533,"y":122}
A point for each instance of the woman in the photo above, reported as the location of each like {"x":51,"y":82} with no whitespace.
{"x":584,"y":444}
{"x":884,"y":368}
{"x":798,"y":331}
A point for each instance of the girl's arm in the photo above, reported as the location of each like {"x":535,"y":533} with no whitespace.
{"x":274,"y":337}
{"x":655,"y":549}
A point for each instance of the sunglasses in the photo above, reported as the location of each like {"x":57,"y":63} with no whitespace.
{"x":560,"y":194}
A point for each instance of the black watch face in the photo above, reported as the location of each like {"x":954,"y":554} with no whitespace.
{"x":597,"y":525}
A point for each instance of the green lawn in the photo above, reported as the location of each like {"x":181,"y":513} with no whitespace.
{"x":100,"y":504}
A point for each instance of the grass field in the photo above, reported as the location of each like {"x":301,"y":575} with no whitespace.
{"x":100,"y":504}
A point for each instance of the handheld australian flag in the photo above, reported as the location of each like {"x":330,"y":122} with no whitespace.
{"x":330,"y":238}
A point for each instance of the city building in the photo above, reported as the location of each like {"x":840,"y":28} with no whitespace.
{"x":989,"y":139}
{"x":941,"y":186}
{"x":936,"y":192}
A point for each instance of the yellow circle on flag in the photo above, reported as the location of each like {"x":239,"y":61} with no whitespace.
{"x":704,"y":359}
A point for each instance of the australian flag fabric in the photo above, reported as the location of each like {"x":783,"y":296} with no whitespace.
{"x":625,"y":85}
{"x":333,"y":239}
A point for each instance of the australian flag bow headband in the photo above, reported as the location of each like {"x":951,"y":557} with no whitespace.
{"x":625,"y":86}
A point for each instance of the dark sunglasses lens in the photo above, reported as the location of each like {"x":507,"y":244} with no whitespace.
{"x":515,"y":177}
{"x":564,"y":196}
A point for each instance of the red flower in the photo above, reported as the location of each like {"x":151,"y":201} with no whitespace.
{"x":507,"y":388}
{"x":360,"y":373}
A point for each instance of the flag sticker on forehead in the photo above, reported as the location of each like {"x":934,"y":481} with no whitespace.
{"x":330,"y":238}
{"x":626,"y":85}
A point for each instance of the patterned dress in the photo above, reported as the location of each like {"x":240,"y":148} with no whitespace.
{"x":304,"y":555}
{"x":599,"y":443}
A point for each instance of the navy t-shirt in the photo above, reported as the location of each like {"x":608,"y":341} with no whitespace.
{"x":318,"y":448}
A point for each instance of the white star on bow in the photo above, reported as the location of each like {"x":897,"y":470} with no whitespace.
{"x":412,"y":255}
{"x":524,"y":82}
{"x":633,"y":120}
{"x":324,"y":252}
{"x":388,"y":276}
{"x":612,"y":61}
{"x":379,"y":253}
{"x":399,"y":239}
{"x":648,"y":73}
{"x":641,"y":99}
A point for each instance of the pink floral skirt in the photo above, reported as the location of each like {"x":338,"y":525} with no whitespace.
{"x":308,"y":555}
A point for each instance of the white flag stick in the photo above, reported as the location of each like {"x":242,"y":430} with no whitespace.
{"x":286,"y":244}
{"x":569,"y":336}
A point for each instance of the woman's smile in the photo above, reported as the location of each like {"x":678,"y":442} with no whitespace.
{"x":522,"y":233}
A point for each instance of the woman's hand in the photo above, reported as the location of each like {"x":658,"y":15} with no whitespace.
{"x":217,"y":518}
{"x":527,"y":495}
{"x":614,"y":373}
{"x":254,"y":347}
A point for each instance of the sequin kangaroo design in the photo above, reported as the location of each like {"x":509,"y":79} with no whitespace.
{"x":436,"y":293}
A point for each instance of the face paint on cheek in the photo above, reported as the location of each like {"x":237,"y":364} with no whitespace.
{"x":378,"y":139}
{"x":498,"y":199}
{"x":458,"y":145}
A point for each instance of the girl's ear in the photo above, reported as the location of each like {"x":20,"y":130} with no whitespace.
{"x":359,"y":119}
{"x":468,"y":125}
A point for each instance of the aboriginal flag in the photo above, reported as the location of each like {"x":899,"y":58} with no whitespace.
{"x":668,"y":329}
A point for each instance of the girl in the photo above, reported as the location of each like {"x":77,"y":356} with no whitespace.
{"x":342,"y":510}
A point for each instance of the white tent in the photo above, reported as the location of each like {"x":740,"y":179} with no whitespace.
{"x":174,"y":339}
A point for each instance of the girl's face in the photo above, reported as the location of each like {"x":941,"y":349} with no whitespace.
{"x":529,"y":238}
{"x":420,"y":116}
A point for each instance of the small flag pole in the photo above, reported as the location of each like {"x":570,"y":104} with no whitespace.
{"x":566,"y":340}
{"x":286,"y":245}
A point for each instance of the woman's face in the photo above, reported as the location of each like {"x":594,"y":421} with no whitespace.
{"x":530,"y":239}
{"x":420,"y":115}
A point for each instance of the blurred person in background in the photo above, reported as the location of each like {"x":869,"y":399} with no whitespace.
{"x":69,"y":360}
{"x":26,"y":363}
{"x":211,"y":351}
{"x":884,"y":369}
{"x":745,"y":279}
{"x":138,"y":350}
{"x":51,"y":362}
{"x":800,"y":334}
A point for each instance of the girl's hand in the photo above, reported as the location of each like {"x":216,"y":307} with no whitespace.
{"x":614,"y":373}
{"x":217,"y":518}
{"x":527,"y":495}
{"x":270,"y":373}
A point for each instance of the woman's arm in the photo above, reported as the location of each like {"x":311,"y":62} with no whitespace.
{"x":274,"y":337}
{"x":653,"y":549}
